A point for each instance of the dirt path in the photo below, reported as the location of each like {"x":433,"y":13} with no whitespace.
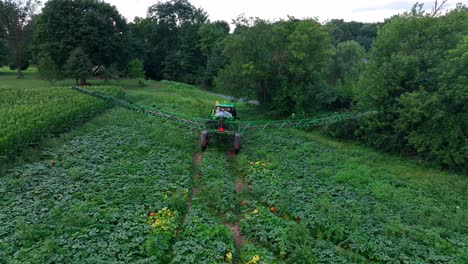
{"x":238,"y":237}
{"x":197,"y":159}
{"x":242,"y":191}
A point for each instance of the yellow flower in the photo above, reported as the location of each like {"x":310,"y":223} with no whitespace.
{"x":255,"y":211}
{"x":156,"y":223}
{"x":256,"y":258}
{"x":229,"y":257}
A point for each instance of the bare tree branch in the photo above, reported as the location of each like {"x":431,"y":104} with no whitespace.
{"x":437,"y":8}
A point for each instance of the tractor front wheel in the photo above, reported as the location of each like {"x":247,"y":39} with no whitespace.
{"x":237,"y":143}
{"x":204,"y":140}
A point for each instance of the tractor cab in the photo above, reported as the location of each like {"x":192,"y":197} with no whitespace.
{"x":224,"y":110}
{"x":223,"y":123}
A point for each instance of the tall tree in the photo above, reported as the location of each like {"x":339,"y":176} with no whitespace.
{"x":344,"y":70}
{"x":94,"y":26}
{"x":436,"y":123}
{"x":47,"y":68}
{"x":212,"y":36}
{"x":3,"y":47}
{"x":79,"y":66}
{"x":136,"y":69}
{"x":3,"y":52}
{"x":15,"y":16}
{"x":174,"y":39}
{"x":248,"y":53}
{"x":140,"y":46}
{"x":407,"y":60}
{"x":281,"y":64}
{"x":341,"y":31}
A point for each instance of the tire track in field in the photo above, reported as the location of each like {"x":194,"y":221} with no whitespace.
{"x":197,"y":159}
{"x":196,"y":162}
{"x":241,"y":188}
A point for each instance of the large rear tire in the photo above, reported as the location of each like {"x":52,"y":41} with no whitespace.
{"x":203,"y":140}
{"x":236,"y":143}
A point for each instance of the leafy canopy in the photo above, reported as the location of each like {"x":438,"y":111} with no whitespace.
{"x":15,"y":27}
{"x":94,"y":26}
{"x":136,"y":69}
{"x":280,"y":64}
{"x":413,"y":79}
{"x":79,"y":66}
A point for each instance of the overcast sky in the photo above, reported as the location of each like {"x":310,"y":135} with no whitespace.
{"x":357,"y":10}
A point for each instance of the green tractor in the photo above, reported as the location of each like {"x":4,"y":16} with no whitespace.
{"x":223,"y":122}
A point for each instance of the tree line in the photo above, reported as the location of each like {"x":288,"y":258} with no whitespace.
{"x":410,"y":68}
{"x":175,"y":40}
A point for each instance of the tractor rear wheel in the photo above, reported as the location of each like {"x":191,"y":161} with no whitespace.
{"x":204,"y":140}
{"x":237,"y":143}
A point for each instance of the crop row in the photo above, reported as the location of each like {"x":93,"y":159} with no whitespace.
{"x":204,"y":238}
{"x":27,"y":114}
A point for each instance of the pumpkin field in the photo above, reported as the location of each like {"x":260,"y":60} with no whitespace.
{"x":235,"y":132}
{"x":111,"y":185}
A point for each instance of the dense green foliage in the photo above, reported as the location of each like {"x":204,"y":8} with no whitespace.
{"x":344,"y":70}
{"x":436,"y":122}
{"x":170,"y":36}
{"x":341,"y":31}
{"x":3,"y":52}
{"x":414,"y":79}
{"x":47,"y":68}
{"x":212,"y":37}
{"x":136,"y":69}
{"x":350,"y":207}
{"x":94,"y":26}
{"x":273,"y":62}
{"x":78,"y":66}
{"x":31,"y":113}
